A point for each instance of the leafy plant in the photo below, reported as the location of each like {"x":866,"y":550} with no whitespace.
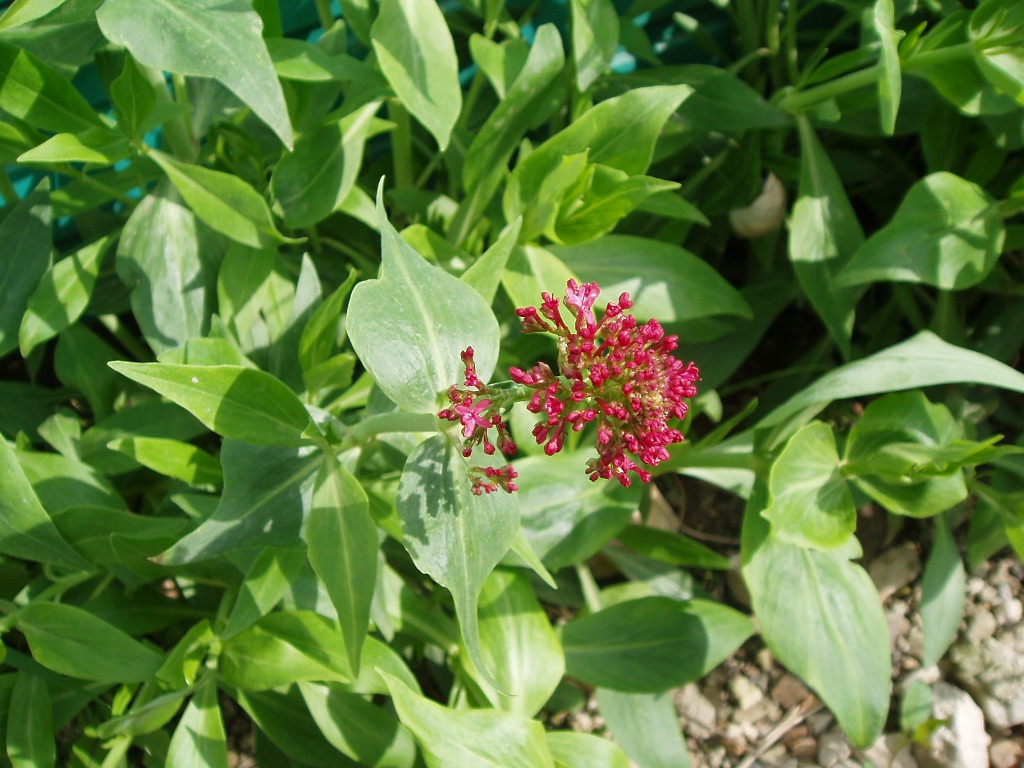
{"x":248,"y":245}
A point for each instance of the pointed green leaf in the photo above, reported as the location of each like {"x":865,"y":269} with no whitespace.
{"x":595,"y":37}
{"x":219,"y":39}
{"x":30,"y":741}
{"x":23,"y":11}
{"x":199,"y":740}
{"x":236,"y":402}
{"x":25,"y":255}
{"x":416,"y":53}
{"x":674,"y":285}
{"x":73,"y":642}
{"x":652,"y":644}
{"x":37,"y":93}
{"x":890,"y":81}
{"x":585,"y":750}
{"x":265,"y":501}
{"x":824,"y":234}
{"x":26,"y":530}
{"x":166,"y":257}
{"x":285,"y":647}
{"x":485,"y":273}
{"x":100,"y":146}
{"x":267,"y":581}
{"x":222,"y":201}
{"x":133,"y":96}
{"x":646,"y":726}
{"x":62,"y":294}
{"x":172,"y":458}
{"x":921,"y":361}
{"x":452,"y":535}
{"x":477,"y":737}
{"x":358,"y":728}
{"x":811,"y":503}
{"x":342,"y":540}
{"x":518,"y":644}
{"x":943,"y":593}
{"x":947,"y":232}
{"x":410,"y":326}
{"x":310,"y":182}
{"x":842,"y":646}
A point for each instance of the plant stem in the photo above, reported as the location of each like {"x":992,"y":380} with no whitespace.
{"x":176,"y":130}
{"x":382,"y":423}
{"x":10,"y":194}
{"x":801,"y":100}
{"x":401,"y":144}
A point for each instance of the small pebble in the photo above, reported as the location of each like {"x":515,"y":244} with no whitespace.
{"x":981,"y":626}
{"x":745,"y":692}
{"x":789,"y":691}
{"x":832,"y":749}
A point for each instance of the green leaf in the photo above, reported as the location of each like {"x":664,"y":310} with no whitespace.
{"x":359,"y":729}
{"x":265,"y":501}
{"x":25,"y":254}
{"x":416,"y":53}
{"x":484,"y":738}
{"x":234,"y":401}
{"x":921,"y":361}
{"x":947,"y":232}
{"x":30,"y":741}
{"x":37,"y":93}
{"x":646,"y":726}
{"x":619,"y":133}
{"x":172,"y":458}
{"x":672,"y":548}
{"x":518,"y":644}
{"x":890,"y":81}
{"x":62,"y":294}
{"x":285,"y":647}
{"x":530,"y":270}
{"x":595,"y":36}
{"x":834,"y":637}
{"x":610,"y":195}
{"x":219,"y":39}
{"x":943,"y":593}
{"x":266,"y":582}
{"x":132,"y":96}
{"x":566,"y":517}
{"x":165,"y":256}
{"x":906,"y":484}
{"x":314,"y":179}
{"x":995,"y":28}
{"x":300,"y":60}
{"x":410,"y":325}
{"x":452,"y":535}
{"x":485,"y":273}
{"x":824,"y":234}
{"x":147,"y":714}
{"x":100,"y":146}
{"x":222,"y":201}
{"x":320,"y":336}
{"x":73,"y":642}
{"x":584,"y":750}
{"x":810,"y":504}
{"x":721,"y":101}
{"x":23,"y":11}
{"x":80,"y":360}
{"x":342,"y":540}
{"x":26,"y":530}
{"x":652,"y":644}
{"x":199,"y":740}
{"x":673,"y":285}
{"x":487,"y":157}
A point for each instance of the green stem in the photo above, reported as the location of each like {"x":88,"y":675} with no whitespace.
{"x":401,"y":144}
{"x":124,"y":337}
{"x":74,"y":173}
{"x":323,"y":11}
{"x":801,"y":100}
{"x":176,"y":130}
{"x":382,"y":423}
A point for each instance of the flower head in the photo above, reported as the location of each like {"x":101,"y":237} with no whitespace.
{"x":614,"y":372}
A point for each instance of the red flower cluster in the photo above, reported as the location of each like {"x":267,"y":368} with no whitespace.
{"x":620,"y":375}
